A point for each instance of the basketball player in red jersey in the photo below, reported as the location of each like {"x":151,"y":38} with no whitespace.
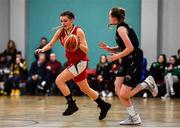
{"x":77,"y":65}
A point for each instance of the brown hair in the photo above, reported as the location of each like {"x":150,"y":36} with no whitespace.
{"x":69,"y":14}
{"x":8,"y":45}
{"x":119,"y":13}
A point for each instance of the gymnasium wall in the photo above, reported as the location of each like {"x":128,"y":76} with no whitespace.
{"x":18,"y":24}
{"x":4,"y":23}
{"x":13,"y":24}
{"x":169,"y":27}
{"x":91,"y":15}
{"x":149,"y":27}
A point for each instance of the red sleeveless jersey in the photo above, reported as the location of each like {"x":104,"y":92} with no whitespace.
{"x":75,"y":56}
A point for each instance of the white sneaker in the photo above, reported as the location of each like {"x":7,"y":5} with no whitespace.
{"x":166,"y":96}
{"x":131,"y":120}
{"x":145,"y":95}
{"x":103,"y":93}
{"x":110,"y":94}
{"x":152,"y":87}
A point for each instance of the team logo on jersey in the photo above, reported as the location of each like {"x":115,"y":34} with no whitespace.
{"x":127,"y":77}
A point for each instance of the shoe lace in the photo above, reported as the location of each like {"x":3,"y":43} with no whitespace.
{"x":129,"y":118}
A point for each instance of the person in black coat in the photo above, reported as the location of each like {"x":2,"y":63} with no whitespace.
{"x":37,"y":74}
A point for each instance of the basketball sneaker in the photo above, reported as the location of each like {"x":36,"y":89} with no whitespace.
{"x":104,"y":109}
{"x":131,"y":120}
{"x":151,"y":85}
{"x":72,"y":108}
{"x":110,"y":94}
{"x":166,"y":96}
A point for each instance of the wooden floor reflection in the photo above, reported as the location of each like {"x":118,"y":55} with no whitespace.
{"x":46,"y":112}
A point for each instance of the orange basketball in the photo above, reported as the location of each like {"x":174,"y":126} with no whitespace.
{"x":71,"y":43}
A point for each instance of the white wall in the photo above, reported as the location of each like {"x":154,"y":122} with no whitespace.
{"x":169,"y":26}
{"x":18,"y":23}
{"x":149,"y":15}
{"x":160,"y":28}
{"x":4,"y":24}
{"x":12,"y":23}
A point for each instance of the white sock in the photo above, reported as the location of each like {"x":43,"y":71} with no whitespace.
{"x":131,"y":111}
{"x":143,"y":85}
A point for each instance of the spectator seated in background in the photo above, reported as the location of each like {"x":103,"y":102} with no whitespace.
{"x":37,"y":74}
{"x":114,"y":66}
{"x":44,"y":41}
{"x":53,"y":67}
{"x":5,"y":70}
{"x":172,"y":76}
{"x":10,"y":52}
{"x":19,"y":73}
{"x":102,"y":72}
{"x":157,"y":69}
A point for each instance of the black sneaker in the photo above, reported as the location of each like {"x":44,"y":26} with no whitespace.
{"x":72,"y":108}
{"x":104,"y":109}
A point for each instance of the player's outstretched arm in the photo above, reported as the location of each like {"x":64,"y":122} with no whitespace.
{"x":52,"y":42}
{"x":105,"y":47}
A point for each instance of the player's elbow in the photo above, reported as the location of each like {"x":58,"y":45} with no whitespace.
{"x":130,"y":49}
{"x":86,"y":51}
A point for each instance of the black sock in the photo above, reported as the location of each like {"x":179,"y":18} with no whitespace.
{"x":69,"y":98}
{"x":99,"y":101}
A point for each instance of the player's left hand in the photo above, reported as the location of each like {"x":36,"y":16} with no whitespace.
{"x":113,"y":57}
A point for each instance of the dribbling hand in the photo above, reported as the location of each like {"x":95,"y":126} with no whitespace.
{"x":39,"y":51}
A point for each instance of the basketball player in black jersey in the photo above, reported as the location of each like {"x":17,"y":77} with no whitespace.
{"x":127,"y":82}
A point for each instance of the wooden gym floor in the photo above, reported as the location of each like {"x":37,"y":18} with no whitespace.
{"x":46,"y":112}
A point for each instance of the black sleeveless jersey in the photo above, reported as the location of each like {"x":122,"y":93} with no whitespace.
{"x":131,"y":34}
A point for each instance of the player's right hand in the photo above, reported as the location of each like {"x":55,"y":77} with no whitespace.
{"x":39,"y":51}
{"x":103,"y":46}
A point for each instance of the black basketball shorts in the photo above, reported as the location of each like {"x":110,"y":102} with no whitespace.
{"x":131,"y":68}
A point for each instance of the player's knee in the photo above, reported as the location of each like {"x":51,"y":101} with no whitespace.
{"x":117,"y":87}
{"x":166,"y":77}
{"x":117,"y":83}
{"x":58,"y":81}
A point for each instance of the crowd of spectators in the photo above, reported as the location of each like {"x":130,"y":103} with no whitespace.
{"x":17,"y":79}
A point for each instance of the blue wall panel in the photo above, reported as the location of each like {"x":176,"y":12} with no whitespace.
{"x":91,"y":15}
